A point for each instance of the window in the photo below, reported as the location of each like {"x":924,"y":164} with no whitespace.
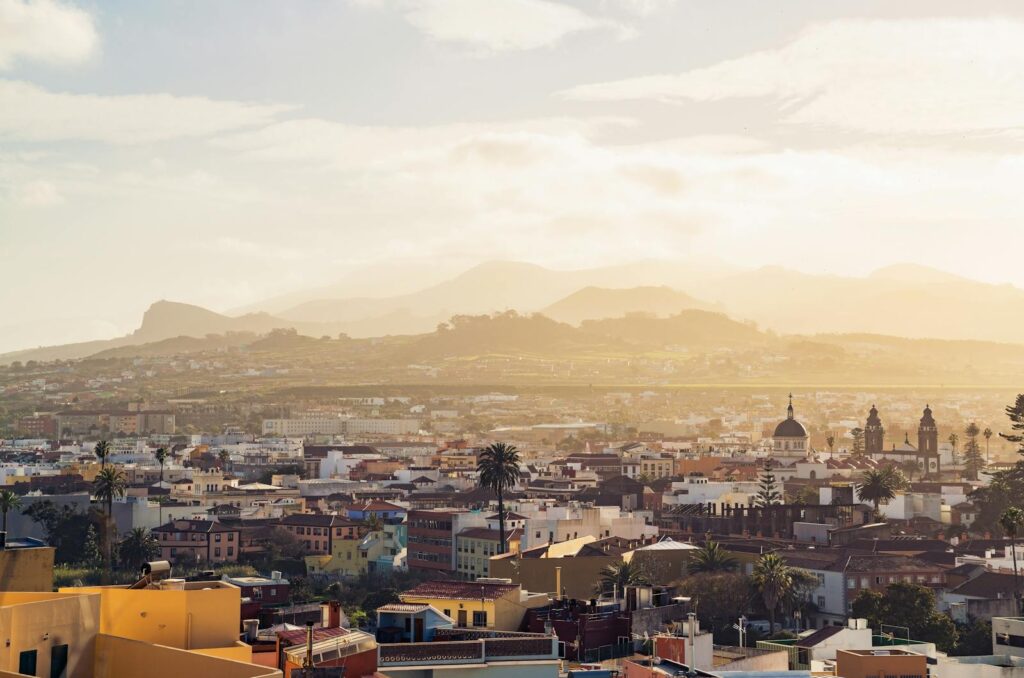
{"x":257,"y":592}
{"x":216,"y":537}
{"x":27,"y":662}
{"x":480,"y":618}
{"x":216,"y":552}
{"x":447,"y":613}
{"x":851,"y":583}
{"x":59,"y":661}
{"x":231,"y":550}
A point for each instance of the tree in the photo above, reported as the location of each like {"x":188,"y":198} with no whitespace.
{"x":8,"y":501}
{"x":91,"y":555}
{"x":953,"y":440}
{"x":1012,"y":520}
{"x":282,"y":543}
{"x":137,"y":548}
{"x":773,"y":579}
{"x":768,"y":491}
{"x":718,"y":597}
{"x":102,"y":451}
{"x":1015,"y":413}
{"x":909,"y":468}
{"x":711,"y":558}
{"x":877,"y":485}
{"x":161,"y":458}
{"x":858,"y":441}
{"x":974,"y":638}
{"x":66,"y":529}
{"x":830,"y":440}
{"x":988,"y":434}
{"x":973,"y":461}
{"x":618,"y":576}
{"x":110,"y":484}
{"x":373,"y":522}
{"x":805,"y":496}
{"x":225,"y":458}
{"x":909,"y":605}
{"x":498,"y":469}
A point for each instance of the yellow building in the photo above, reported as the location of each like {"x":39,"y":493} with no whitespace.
{"x":486,"y":603}
{"x":62,"y":634}
{"x":349,"y":557}
{"x":474,"y":547}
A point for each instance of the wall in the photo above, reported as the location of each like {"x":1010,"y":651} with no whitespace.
{"x":190,"y":619}
{"x":537,"y":575}
{"x":119,"y":657}
{"x":28,"y":569}
{"x":39,"y":621}
{"x":853,"y":665}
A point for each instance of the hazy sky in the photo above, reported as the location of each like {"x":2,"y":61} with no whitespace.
{"x":223,"y":152}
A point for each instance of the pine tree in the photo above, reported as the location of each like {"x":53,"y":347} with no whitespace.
{"x":1016,"y":414}
{"x":858,"y":441}
{"x":974,"y":461}
{"x":768,"y":490}
{"x":91,"y":556}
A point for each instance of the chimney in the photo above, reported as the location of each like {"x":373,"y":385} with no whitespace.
{"x":330,"y":614}
{"x":276,"y":575}
{"x":252,"y":627}
{"x":558,"y":583}
{"x":307,"y":663}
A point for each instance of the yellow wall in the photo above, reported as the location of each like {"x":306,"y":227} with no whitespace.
{"x":39,"y":621}
{"x":120,"y":657}
{"x":239,"y":652}
{"x":192,"y":619}
{"x":452,"y":605}
{"x":27,"y":569}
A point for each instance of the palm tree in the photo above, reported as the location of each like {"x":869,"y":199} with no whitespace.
{"x":110,"y":484}
{"x":8,"y":501}
{"x":498,"y":469}
{"x":138,"y":547}
{"x":1012,"y":520}
{"x":711,"y":558}
{"x":373,"y":522}
{"x":102,"y":449}
{"x":224,"y":457}
{"x":774,"y":580}
{"x":988,"y":434}
{"x":618,"y":576}
{"x":953,"y":439}
{"x":830,"y":440}
{"x":909,"y":468}
{"x":876,"y":485}
{"x":161,"y":457}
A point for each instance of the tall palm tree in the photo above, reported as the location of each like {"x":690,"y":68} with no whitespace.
{"x":618,"y":576}
{"x":8,"y":502}
{"x":138,"y":547}
{"x":110,"y":484}
{"x":953,"y":440}
{"x":988,"y":434}
{"x":1012,"y":520}
{"x":830,"y":440}
{"x":876,"y":485}
{"x":102,"y":450}
{"x":224,"y":457}
{"x":161,"y":458}
{"x":774,"y":581}
{"x":711,"y":558}
{"x":498,"y":469}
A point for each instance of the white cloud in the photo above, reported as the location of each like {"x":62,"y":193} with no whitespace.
{"x":502,"y":25}
{"x":30,"y":113}
{"x":45,"y":31}
{"x":930,"y":76}
{"x":39,"y":194}
{"x":641,"y":7}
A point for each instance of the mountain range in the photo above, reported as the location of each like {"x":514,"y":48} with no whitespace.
{"x":901,"y":301}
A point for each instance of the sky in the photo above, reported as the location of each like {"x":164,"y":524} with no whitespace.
{"x":223,"y":153}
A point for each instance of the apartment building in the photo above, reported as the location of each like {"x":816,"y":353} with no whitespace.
{"x":191,"y":541}
{"x":319,"y":533}
{"x":432,"y":534}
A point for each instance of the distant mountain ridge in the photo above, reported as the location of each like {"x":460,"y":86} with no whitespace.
{"x":903,"y":300}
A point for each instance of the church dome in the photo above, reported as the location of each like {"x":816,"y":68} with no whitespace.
{"x":790,"y":428}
